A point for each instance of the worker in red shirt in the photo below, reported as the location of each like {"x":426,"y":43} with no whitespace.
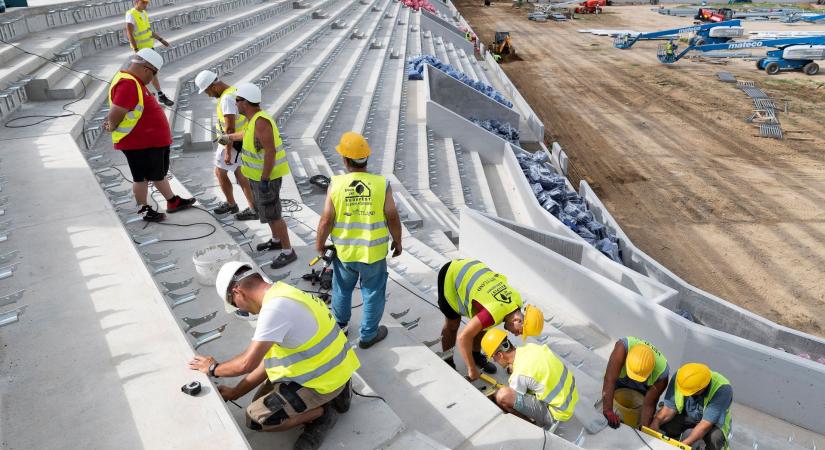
{"x":140,"y":130}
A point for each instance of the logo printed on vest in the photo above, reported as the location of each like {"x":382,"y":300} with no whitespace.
{"x":502,"y":294}
{"x":357,"y":193}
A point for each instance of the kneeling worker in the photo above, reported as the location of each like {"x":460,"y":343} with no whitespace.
{"x":297,"y":352}
{"x":469,"y":288}
{"x":541,"y":389}
{"x":638,"y":372}
{"x":696,"y":409}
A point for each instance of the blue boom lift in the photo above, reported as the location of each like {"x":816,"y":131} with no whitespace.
{"x":812,"y":19}
{"x":796,"y":53}
{"x":703,"y":34}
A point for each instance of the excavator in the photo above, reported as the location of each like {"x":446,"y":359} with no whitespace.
{"x":501,"y":46}
{"x":798,"y":53}
{"x":707,"y":33}
{"x":591,"y":6}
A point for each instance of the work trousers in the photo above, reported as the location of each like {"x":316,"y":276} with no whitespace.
{"x":680,"y":428}
{"x":373,"y":292}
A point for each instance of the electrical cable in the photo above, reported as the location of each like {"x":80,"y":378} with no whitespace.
{"x":642,"y":439}
{"x":544,"y":442}
{"x":214,"y":229}
{"x":369,"y":396}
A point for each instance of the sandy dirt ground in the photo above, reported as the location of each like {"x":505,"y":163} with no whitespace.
{"x":668,"y":150}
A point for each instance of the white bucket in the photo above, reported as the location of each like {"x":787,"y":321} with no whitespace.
{"x":209,"y":260}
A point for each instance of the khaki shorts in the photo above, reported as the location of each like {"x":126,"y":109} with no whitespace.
{"x":274,"y":403}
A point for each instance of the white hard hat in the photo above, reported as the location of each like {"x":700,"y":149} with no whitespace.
{"x":151,"y":56}
{"x":204,"y":79}
{"x":226,"y":274}
{"x":249,"y":92}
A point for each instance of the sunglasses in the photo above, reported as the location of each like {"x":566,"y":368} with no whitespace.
{"x":151,"y":69}
{"x":235,"y":280}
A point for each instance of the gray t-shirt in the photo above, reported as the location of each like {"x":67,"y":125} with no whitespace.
{"x":285,"y":322}
{"x":694,"y":405}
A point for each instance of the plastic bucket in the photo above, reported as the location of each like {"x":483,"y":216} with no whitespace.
{"x":209,"y":260}
{"x":628,"y":403}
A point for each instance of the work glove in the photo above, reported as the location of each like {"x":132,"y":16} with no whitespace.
{"x":613,"y":419}
{"x":222,"y":139}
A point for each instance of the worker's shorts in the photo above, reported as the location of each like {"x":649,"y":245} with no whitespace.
{"x":274,"y":403}
{"x":234,"y":163}
{"x":443,"y":304}
{"x":148,"y":164}
{"x":267,"y":198}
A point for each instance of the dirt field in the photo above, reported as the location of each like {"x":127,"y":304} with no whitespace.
{"x":668,"y":150}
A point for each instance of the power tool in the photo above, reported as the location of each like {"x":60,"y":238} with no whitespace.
{"x":324,"y":276}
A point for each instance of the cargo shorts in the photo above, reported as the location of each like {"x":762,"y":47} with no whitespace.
{"x":267,"y":198}
{"x":274,"y":403}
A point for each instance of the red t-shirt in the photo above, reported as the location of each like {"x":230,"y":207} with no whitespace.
{"x":152,"y":129}
{"x":483,"y":315}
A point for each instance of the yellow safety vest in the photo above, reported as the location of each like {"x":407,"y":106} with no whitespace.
{"x":252,"y":155}
{"x":469,"y":280}
{"x":659,"y":366}
{"x":360,"y":232}
{"x":558,"y":386}
{"x":240,"y":120}
{"x":717,"y":380}
{"x":325,"y":362}
{"x":131,"y":118}
{"x":143,"y":30}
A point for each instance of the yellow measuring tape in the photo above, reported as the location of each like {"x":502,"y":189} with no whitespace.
{"x":665,"y":439}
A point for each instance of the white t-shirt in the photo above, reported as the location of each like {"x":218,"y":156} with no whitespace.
{"x":285,"y":322}
{"x":130,"y":19}
{"x":228,"y":105}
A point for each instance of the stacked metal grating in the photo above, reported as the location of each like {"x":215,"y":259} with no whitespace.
{"x":764,"y":110}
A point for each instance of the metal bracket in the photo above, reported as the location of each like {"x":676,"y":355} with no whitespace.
{"x":121,"y":200}
{"x":192,"y":322}
{"x":157,"y":256}
{"x":8,"y":271}
{"x":5,"y":236}
{"x":148,"y":241}
{"x":180,"y":299}
{"x":160,"y":267}
{"x":8,"y":257}
{"x":175,"y":285}
{"x":401,"y":314}
{"x":209,"y":336}
{"x":12,"y":316}
{"x":131,"y":219}
{"x":11,"y":298}
{"x":431,"y":343}
{"x":411,"y":324}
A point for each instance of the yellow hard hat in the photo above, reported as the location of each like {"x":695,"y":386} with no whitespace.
{"x":640,"y":362}
{"x":353,"y":146}
{"x":492,"y":340}
{"x":692,"y":378}
{"x":533,"y":322}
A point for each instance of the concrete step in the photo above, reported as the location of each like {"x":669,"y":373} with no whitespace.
{"x":44,"y":79}
{"x":481,"y":197}
{"x":71,"y":86}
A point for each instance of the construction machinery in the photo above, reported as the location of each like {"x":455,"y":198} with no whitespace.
{"x":798,"y":53}
{"x":714,"y":15}
{"x":501,"y":46}
{"x":707,"y":33}
{"x":809,"y":18}
{"x":591,"y":6}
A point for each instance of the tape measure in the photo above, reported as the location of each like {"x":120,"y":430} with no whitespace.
{"x":193,"y":388}
{"x":665,"y":439}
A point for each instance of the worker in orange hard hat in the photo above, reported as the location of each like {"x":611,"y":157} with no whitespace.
{"x":636,"y":376}
{"x":696,"y":409}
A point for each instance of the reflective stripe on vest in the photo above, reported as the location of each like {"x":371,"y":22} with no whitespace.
{"x":142,"y":34}
{"x":360,"y":232}
{"x":131,"y":118}
{"x":469,"y":280}
{"x":325,"y":362}
{"x":717,"y":380}
{"x":240,"y":120}
{"x":559,"y":391}
{"x":252,"y":155}
{"x":658,"y":368}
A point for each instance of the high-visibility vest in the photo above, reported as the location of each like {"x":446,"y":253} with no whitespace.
{"x":131,"y":118}
{"x":360,"y":232}
{"x":717,"y":380}
{"x":558,"y":386}
{"x":469,"y":280}
{"x":252,"y":155}
{"x":323,"y":363}
{"x":143,"y":30}
{"x":240,"y":120}
{"x":658,"y":368}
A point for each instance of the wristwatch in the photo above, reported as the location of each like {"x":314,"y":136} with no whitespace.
{"x":212,"y":369}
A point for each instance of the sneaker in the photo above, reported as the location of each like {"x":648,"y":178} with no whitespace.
{"x":269,"y":245}
{"x":226,"y":208}
{"x":315,"y":431}
{"x":165,"y":100}
{"x":342,"y":401}
{"x":150,"y":215}
{"x":247,"y":214}
{"x":283,"y":259}
{"x":382,"y":333}
{"x":484,"y":364}
{"x":244,"y":315}
{"x":177,"y":204}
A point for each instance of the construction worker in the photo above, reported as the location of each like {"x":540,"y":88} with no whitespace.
{"x":360,"y":216}
{"x":227,"y":157}
{"x":141,"y":131}
{"x":541,"y":389}
{"x":669,"y":49}
{"x":638,"y":372}
{"x":140,"y":35}
{"x":696,"y":409}
{"x":470,"y":289}
{"x":264,"y":163}
{"x":298,"y":355}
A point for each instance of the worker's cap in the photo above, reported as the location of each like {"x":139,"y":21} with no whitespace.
{"x":640,"y":362}
{"x":353,"y":146}
{"x":230,"y":274}
{"x":692,"y":378}
{"x":148,"y":56}
{"x":248,"y":92}
{"x":205,"y":79}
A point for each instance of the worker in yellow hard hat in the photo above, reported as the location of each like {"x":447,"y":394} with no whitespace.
{"x":468,"y":288}
{"x":360,"y":216}
{"x":540,"y":389}
{"x":696,"y":410}
{"x":637,"y":372}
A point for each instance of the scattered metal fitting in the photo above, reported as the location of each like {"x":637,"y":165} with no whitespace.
{"x":8,"y":257}
{"x":4,"y":236}
{"x":208,"y":336}
{"x":161,"y":266}
{"x":192,"y":322}
{"x":431,"y":343}
{"x":157,"y":256}
{"x":11,"y":316}
{"x":401,"y":314}
{"x":11,"y":298}
{"x":8,"y":271}
{"x":180,"y":299}
{"x":410,"y":324}
{"x":146,"y":241}
{"x":175,"y":285}
{"x":121,"y":200}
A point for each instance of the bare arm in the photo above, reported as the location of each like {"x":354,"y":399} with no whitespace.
{"x":115,"y":116}
{"x":611,"y":374}
{"x":130,"y":29}
{"x":652,"y":396}
{"x":664,"y":415}
{"x":263,"y":132}
{"x":393,"y":221}
{"x":465,"y":346}
{"x":325,"y":225}
{"x":242,"y":364}
{"x":229,"y":128}
{"x":699,"y":432}
{"x":247,"y":383}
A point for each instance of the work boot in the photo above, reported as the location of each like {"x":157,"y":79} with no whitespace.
{"x":382,"y":333}
{"x":315,"y":431}
{"x":269,"y":245}
{"x":342,"y":401}
{"x":283,"y":259}
{"x":165,"y":100}
{"x":226,"y":208}
{"x":177,"y":203}
{"x":483,"y":363}
{"x":247,"y":214}
{"x":150,"y":215}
